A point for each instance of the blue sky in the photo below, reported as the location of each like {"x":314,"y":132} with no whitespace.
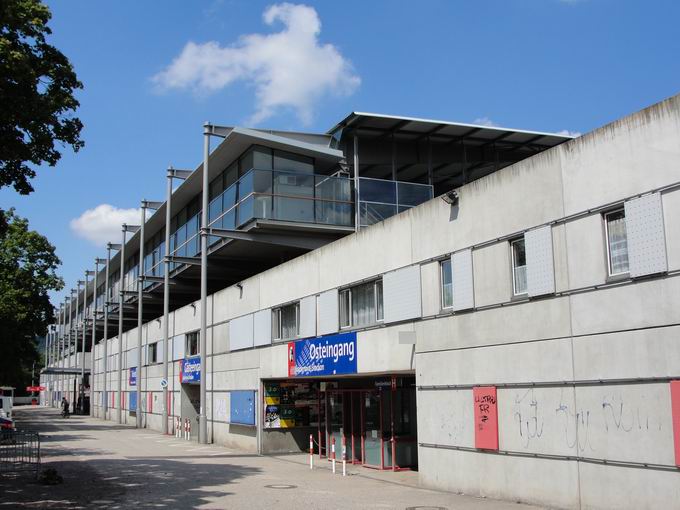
{"x":547,"y":65}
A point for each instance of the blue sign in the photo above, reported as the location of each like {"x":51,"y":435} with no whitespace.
{"x":191,"y":370}
{"x":242,"y":407}
{"x":133,"y":401}
{"x":132,"y":379}
{"x":327,"y":355}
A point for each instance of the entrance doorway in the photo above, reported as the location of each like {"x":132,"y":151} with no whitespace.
{"x":378,"y":424}
{"x":190,"y":401}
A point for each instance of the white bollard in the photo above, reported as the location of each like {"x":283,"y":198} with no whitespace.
{"x":188,"y":429}
{"x":333,"y":454}
{"x":344,"y":457}
{"x":311,"y":451}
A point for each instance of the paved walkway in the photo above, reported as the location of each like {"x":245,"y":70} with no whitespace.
{"x":112,"y":466}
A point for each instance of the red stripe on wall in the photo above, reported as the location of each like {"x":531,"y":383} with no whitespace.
{"x":675,"y":410}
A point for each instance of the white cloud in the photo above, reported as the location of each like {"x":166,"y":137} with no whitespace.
{"x":289,"y":69}
{"x":103,"y":223}
{"x":484,"y":121}
{"x":566,"y":132}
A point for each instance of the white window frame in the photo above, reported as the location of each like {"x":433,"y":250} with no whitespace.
{"x":605,"y":217}
{"x":277,"y":324}
{"x":379,"y":310}
{"x":187,"y":343}
{"x":514,"y":266}
{"x":441,"y":282}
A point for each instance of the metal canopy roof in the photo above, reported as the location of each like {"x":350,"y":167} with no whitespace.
{"x":411,"y":128}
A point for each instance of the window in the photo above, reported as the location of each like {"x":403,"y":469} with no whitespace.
{"x":447,"y":283}
{"x":519,"y":267}
{"x":617,"y":242}
{"x":361,"y":305}
{"x":192,"y":345}
{"x":285,"y":321}
{"x":152,"y":353}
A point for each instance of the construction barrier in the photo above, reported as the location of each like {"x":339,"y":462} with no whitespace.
{"x":19,"y":451}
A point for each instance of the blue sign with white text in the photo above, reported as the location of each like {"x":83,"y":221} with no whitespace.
{"x":191,"y":370}
{"x":132,"y":379}
{"x":327,"y":355}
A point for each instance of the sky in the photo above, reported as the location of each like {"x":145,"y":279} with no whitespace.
{"x":154,"y":72}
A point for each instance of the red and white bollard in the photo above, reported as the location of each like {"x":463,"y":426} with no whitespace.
{"x":333,"y":454}
{"x":344,"y":457}
{"x":188,"y":429}
{"x":311,"y":451}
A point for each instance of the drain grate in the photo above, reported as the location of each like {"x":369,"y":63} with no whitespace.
{"x":280,"y":486}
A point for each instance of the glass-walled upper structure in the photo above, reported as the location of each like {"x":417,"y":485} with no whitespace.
{"x":285,"y":193}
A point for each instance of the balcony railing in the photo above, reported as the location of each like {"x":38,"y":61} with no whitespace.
{"x":284,"y":196}
{"x":379,"y":199}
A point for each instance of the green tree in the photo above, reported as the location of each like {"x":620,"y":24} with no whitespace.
{"x":28,"y":266}
{"x":37,"y":104}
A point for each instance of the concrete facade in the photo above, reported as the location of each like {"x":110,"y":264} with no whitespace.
{"x":582,"y":373}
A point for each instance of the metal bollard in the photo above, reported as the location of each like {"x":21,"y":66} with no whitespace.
{"x":311,"y":451}
{"x":188,"y":429}
{"x":344,"y":457}
{"x":333,"y":454}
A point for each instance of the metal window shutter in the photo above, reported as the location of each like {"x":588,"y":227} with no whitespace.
{"x":463,"y":284}
{"x":646,"y":238}
{"x":262,"y":327}
{"x":160,"y":350}
{"x":401,"y":290}
{"x":308,"y":317}
{"x":178,"y":347}
{"x":241,"y":332}
{"x":132,"y":358}
{"x":328,"y":312}
{"x":540,"y":266}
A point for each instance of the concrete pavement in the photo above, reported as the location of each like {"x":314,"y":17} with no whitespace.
{"x":105,"y":465}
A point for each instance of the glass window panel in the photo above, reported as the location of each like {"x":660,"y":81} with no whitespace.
{"x":231,"y":174}
{"x":334,"y":213}
{"x":376,"y":190}
{"x":293,"y":162}
{"x":289,"y":321}
{"x":215,"y":208}
{"x":375,"y":213}
{"x":262,"y":207}
{"x":246,"y":211}
{"x":363,"y":304}
{"x":519,"y":267}
{"x":292,"y":184}
{"x":617,"y":243}
{"x":345,"y":306}
{"x":245,"y":186}
{"x":413,"y":194}
{"x":447,"y":284}
{"x":293,"y":209}
{"x":229,"y":219}
{"x":379,"y":312}
{"x":333,"y":188}
{"x":262,"y":181}
{"x":229,"y":197}
{"x":216,"y":186}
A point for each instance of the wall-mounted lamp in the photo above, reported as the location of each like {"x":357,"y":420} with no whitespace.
{"x":240,"y":290}
{"x":193,"y":305}
{"x":450,"y":197}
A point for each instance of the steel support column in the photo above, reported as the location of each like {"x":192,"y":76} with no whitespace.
{"x":109,"y":247}
{"x":140,"y":311}
{"x":81,"y":388}
{"x":356,"y":182}
{"x":202,"y":421}
{"x":121,"y":294}
{"x":94,"y":335}
{"x":172,"y":174}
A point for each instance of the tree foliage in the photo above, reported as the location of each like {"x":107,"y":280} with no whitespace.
{"x":37,"y":104}
{"x":28,"y":266}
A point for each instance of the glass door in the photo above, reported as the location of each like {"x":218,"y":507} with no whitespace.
{"x":372,"y":436}
{"x":336,"y":422}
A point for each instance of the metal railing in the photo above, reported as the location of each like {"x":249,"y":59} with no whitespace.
{"x":380,"y":199}
{"x":19,"y":452}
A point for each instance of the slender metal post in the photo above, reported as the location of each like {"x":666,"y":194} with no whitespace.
{"x":140,"y":311}
{"x":356,"y":183}
{"x":166,"y":298}
{"x":94,"y":334}
{"x":172,"y":174}
{"x":202,"y":420}
{"x":105,"y":354}
{"x":82,"y":361}
{"x":121,"y":302}
{"x":70,"y":337}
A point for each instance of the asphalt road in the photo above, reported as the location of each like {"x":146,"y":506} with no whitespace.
{"x":105,"y":465}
